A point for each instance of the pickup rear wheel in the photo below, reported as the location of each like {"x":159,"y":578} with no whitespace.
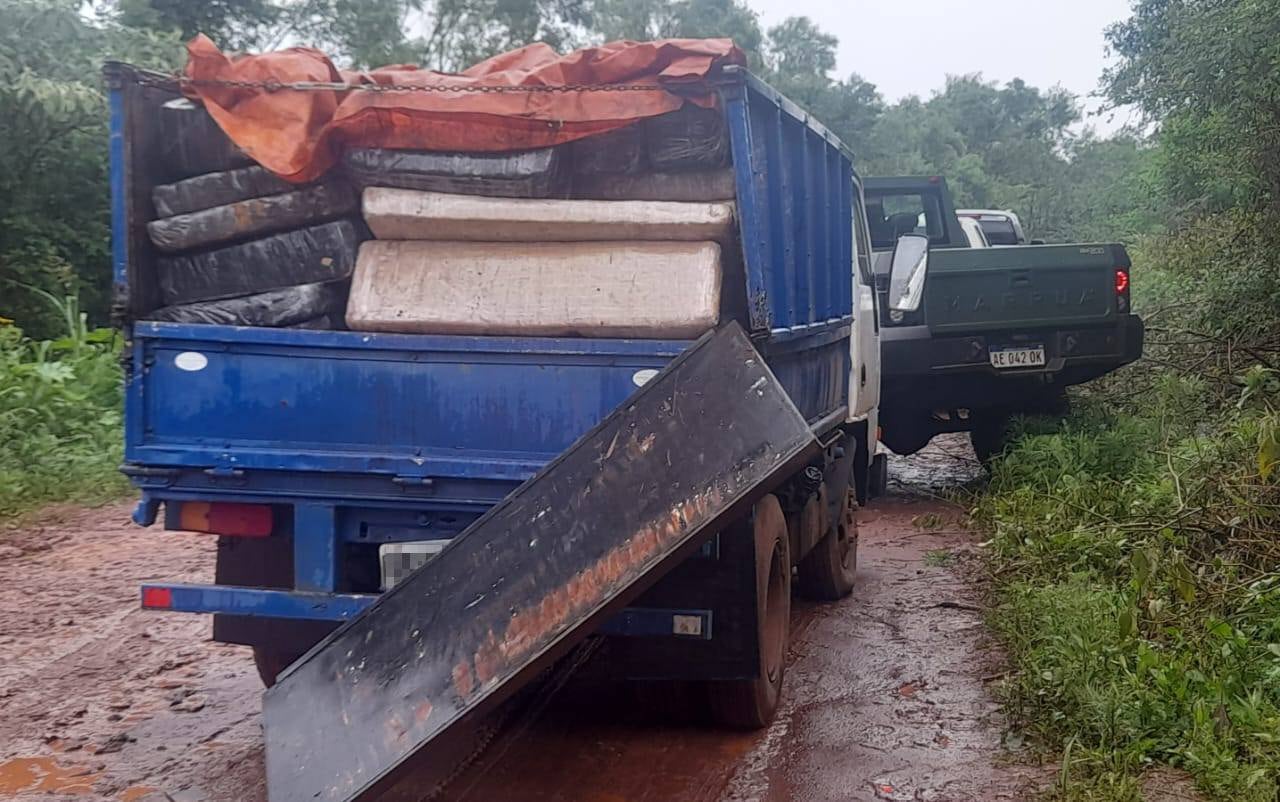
{"x":827,"y":573}
{"x":989,"y":436}
{"x":752,"y":704}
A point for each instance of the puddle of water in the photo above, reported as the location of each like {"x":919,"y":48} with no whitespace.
{"x":31,"y":774}
{"x":945,"y":464}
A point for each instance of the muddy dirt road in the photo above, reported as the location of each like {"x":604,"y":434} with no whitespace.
{"x":886,"y":696}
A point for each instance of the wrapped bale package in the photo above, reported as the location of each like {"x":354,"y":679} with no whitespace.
{"x":398,"y":214}
{"x":291,"y":306}
{"x":692,"y":138}
{"x":218,"y":189}
{"x":316,"y":254}
{"x":609,"y":289}
{"x":530,"y":174}
{"x":700,"y":185}
{"x":616,"y":153}
{"x":191,"y":142}
{"x":256,"y":216}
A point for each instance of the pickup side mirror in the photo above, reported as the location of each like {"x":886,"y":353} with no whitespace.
{"x":907,"y":271}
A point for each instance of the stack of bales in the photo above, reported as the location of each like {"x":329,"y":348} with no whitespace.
{"x":617,"y":235}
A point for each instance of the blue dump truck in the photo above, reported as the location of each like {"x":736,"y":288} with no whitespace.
{"x":411,"y":526}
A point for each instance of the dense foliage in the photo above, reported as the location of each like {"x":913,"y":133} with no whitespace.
{"x":59,"y":415}
{"x":1135,"y":550}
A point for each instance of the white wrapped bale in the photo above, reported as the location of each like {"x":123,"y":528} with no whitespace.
{"x":616,"y":289}
{"x":399,"y":214}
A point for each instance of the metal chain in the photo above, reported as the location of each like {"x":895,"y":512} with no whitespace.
{"x":322,"y":86}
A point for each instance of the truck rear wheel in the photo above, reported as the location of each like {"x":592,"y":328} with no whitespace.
{"x":271,"y":661}
{"x":879,"y":476}
{"x":828,"y":572}
{"x":752,"y":703}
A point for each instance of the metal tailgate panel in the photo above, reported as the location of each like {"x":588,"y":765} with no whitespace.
{"x":682,"y":457}
{"x":981,"y":289}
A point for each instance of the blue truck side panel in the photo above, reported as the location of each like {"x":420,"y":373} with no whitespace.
{"x":795,"y":222}
{"x":374,"y":438}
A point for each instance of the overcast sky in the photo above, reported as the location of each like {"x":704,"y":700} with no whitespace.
{"x":909,"y":46}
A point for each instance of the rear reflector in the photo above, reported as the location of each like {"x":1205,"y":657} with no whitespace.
{"x":1122,"y":281}
{"x":157,"y":598}
{"x":218,"y":518}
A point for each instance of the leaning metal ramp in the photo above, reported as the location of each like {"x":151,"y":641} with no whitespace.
{"x":686,"y":454}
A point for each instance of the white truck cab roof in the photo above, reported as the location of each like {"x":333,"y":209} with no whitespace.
{"x":1002,"y":227}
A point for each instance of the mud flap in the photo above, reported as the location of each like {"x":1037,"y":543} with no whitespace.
{"x":685,"y":455}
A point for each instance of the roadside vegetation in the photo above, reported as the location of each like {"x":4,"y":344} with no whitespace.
{"x":1136,"y":550}
{"x":59,"y":416}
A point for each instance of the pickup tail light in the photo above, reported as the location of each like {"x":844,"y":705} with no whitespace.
{"x":1122,"y":289}
{"x":219,"y":518}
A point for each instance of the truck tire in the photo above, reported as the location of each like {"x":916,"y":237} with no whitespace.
{"x":750,"y":704}
{"x":827,"y":573}
{"x":879,"y":476}
{"x":271,"y":662}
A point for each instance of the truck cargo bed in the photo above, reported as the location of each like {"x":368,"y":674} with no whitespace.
{"x":606,"y":519}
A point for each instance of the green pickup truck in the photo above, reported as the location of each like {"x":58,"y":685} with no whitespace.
{"x":972,"y":335}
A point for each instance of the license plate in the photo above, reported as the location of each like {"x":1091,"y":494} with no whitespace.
{"x":398,"y":560}
{"x":1018,"y":357}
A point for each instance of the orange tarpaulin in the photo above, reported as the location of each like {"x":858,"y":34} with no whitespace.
{"x":299,"y":133}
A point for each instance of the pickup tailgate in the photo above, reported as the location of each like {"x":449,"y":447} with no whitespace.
{"x":1032,"y":286}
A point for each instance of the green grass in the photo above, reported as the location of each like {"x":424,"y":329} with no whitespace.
{"x":939,"y":558}
{"x":60,"y":418}
{"x":1137,"y":570}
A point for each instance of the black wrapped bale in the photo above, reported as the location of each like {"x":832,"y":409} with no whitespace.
{"x":193,"y":144}
{"x":530,"y":174}
{"x":322,"y":323}
{"x":236,"y":222}
{"x":218,"y":189}
{"x":698,"y":186}
{"x":692,"y":138}
{"x":618,"y":152}
{"x":290,"y":306}
{"x":320,"y":253}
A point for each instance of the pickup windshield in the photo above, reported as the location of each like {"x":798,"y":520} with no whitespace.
{"x":890,"y":215}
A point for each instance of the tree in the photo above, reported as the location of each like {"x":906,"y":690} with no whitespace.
{"x":657,"y":19}
{"x":55,"y":221}
{"x":1206,"y":71}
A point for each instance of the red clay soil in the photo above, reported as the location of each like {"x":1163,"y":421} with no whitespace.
{"x":886,"y":692}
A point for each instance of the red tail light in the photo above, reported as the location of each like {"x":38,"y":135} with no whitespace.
{"x":157,"y":598}
{"x":1122,"y":281}
{"x":242,"y":520}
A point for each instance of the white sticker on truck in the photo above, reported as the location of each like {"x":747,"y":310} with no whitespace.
{"x":191,"y":361}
